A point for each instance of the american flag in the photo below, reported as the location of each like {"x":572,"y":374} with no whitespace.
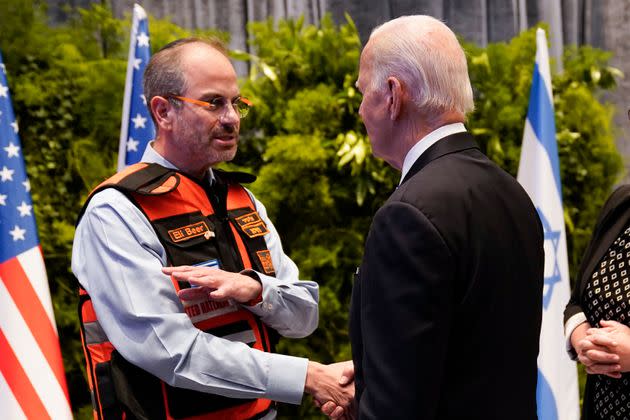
{"x":32,"y":379}
{"x":137,"y":127}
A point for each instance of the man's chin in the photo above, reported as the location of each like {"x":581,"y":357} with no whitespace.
{"x":226,"y":155}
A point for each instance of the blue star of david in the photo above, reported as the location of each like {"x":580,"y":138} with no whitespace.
{"x":554,"y":277}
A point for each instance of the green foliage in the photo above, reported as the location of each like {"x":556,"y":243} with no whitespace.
{"x":589,"y":161}
{"x":304,"y":139}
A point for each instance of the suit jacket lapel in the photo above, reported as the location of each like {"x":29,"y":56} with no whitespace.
{"x":449,"y":144}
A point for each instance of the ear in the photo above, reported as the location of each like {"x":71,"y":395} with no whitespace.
{"x":395,"y":97}
{"x":163,"y":112}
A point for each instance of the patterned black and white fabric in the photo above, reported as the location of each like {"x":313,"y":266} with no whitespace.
{"x":607,"y":296}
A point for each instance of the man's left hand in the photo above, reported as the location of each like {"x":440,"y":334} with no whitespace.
{"x":216,"y":283}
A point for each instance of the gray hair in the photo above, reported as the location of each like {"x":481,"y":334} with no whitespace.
{"x":163,"y":75}
{"x":425,"y":55}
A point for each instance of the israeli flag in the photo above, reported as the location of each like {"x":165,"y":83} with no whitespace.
{"x":539,"y":174}
{"x":136,"y":129}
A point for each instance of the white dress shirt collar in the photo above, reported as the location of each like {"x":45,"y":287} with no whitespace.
{"x":427,"y":141}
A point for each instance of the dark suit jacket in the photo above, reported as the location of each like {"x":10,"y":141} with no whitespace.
{"x":447,"y":306}
{"x":614,"y":216}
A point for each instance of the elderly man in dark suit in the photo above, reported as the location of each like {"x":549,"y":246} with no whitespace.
{"x":446,"y":307}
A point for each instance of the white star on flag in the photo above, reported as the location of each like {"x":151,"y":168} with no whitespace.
{"x":135,"y":121}
{"x":132,"y":145}
{"x":3,"y":199}
{"x":3,"y":67}
{"x":3,"y":91}
{"x":6,"y":174}
{"x":143,"y":40}
{"x":12,"y":150}
{"x":14,"y":124}
{"x":17,"y":233}
{"x":138,"y":121}
{"x":24,"y":209}
{"x":27,"y":185}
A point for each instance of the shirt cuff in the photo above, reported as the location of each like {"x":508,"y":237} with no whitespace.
{"x":254,"y":275}
{"x":266,"y":301}
{"x":287,"y":376}
{"x":569,"y":326}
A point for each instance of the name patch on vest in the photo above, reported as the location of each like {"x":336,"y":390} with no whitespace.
{"x":252,"y":225}
{"x":203,"y":309}
{"x":265,"y":261}
{"x":190,"y":231}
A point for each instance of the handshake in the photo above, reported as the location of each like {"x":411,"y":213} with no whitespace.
{"x":332,"y":388}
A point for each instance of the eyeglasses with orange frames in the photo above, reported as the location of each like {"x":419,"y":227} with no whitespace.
{"x":241,"y":105}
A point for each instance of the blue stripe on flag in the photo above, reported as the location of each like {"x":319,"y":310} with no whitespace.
{"x":541,"y":117}
{"x":18,"y":232}
{"x":546,"y":402}
{"x":140,"y":124}
{"x":137,"y":128}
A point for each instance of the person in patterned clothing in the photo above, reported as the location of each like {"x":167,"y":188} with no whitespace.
{"x":597,"y":315}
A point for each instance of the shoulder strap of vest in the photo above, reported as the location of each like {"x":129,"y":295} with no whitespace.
{"x":238,"y":197}
{"x":234,"y":177}
{"x":153,"y":179}
{"x":142,"y":178}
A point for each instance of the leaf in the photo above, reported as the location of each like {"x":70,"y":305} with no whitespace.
{"x":269,"y":72}
{"x":241,"y":55}
{"x":596,"y":74}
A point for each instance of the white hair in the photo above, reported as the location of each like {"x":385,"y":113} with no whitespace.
{"x":424,"y":54}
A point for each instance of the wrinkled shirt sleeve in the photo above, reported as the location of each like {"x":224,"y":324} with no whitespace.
{"x":117,"y":258}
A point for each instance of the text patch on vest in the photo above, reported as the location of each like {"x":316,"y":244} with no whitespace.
{"x":252,"y":225}
{"x":265,"y":261}
{"x":190,"y":231}
{"x":202,"y":309}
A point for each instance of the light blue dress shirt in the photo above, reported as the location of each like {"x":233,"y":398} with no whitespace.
{"x":117,"y":258}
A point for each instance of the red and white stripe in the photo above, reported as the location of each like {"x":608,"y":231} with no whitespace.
{"x":32,"y":380}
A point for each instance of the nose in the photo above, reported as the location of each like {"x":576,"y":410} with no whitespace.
{"x":230,"y":115}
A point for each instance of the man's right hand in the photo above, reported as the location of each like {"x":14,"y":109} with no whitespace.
{"x":333,"y":410}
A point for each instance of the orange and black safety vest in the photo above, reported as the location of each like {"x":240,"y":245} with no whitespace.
{"x":195,"y":224}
